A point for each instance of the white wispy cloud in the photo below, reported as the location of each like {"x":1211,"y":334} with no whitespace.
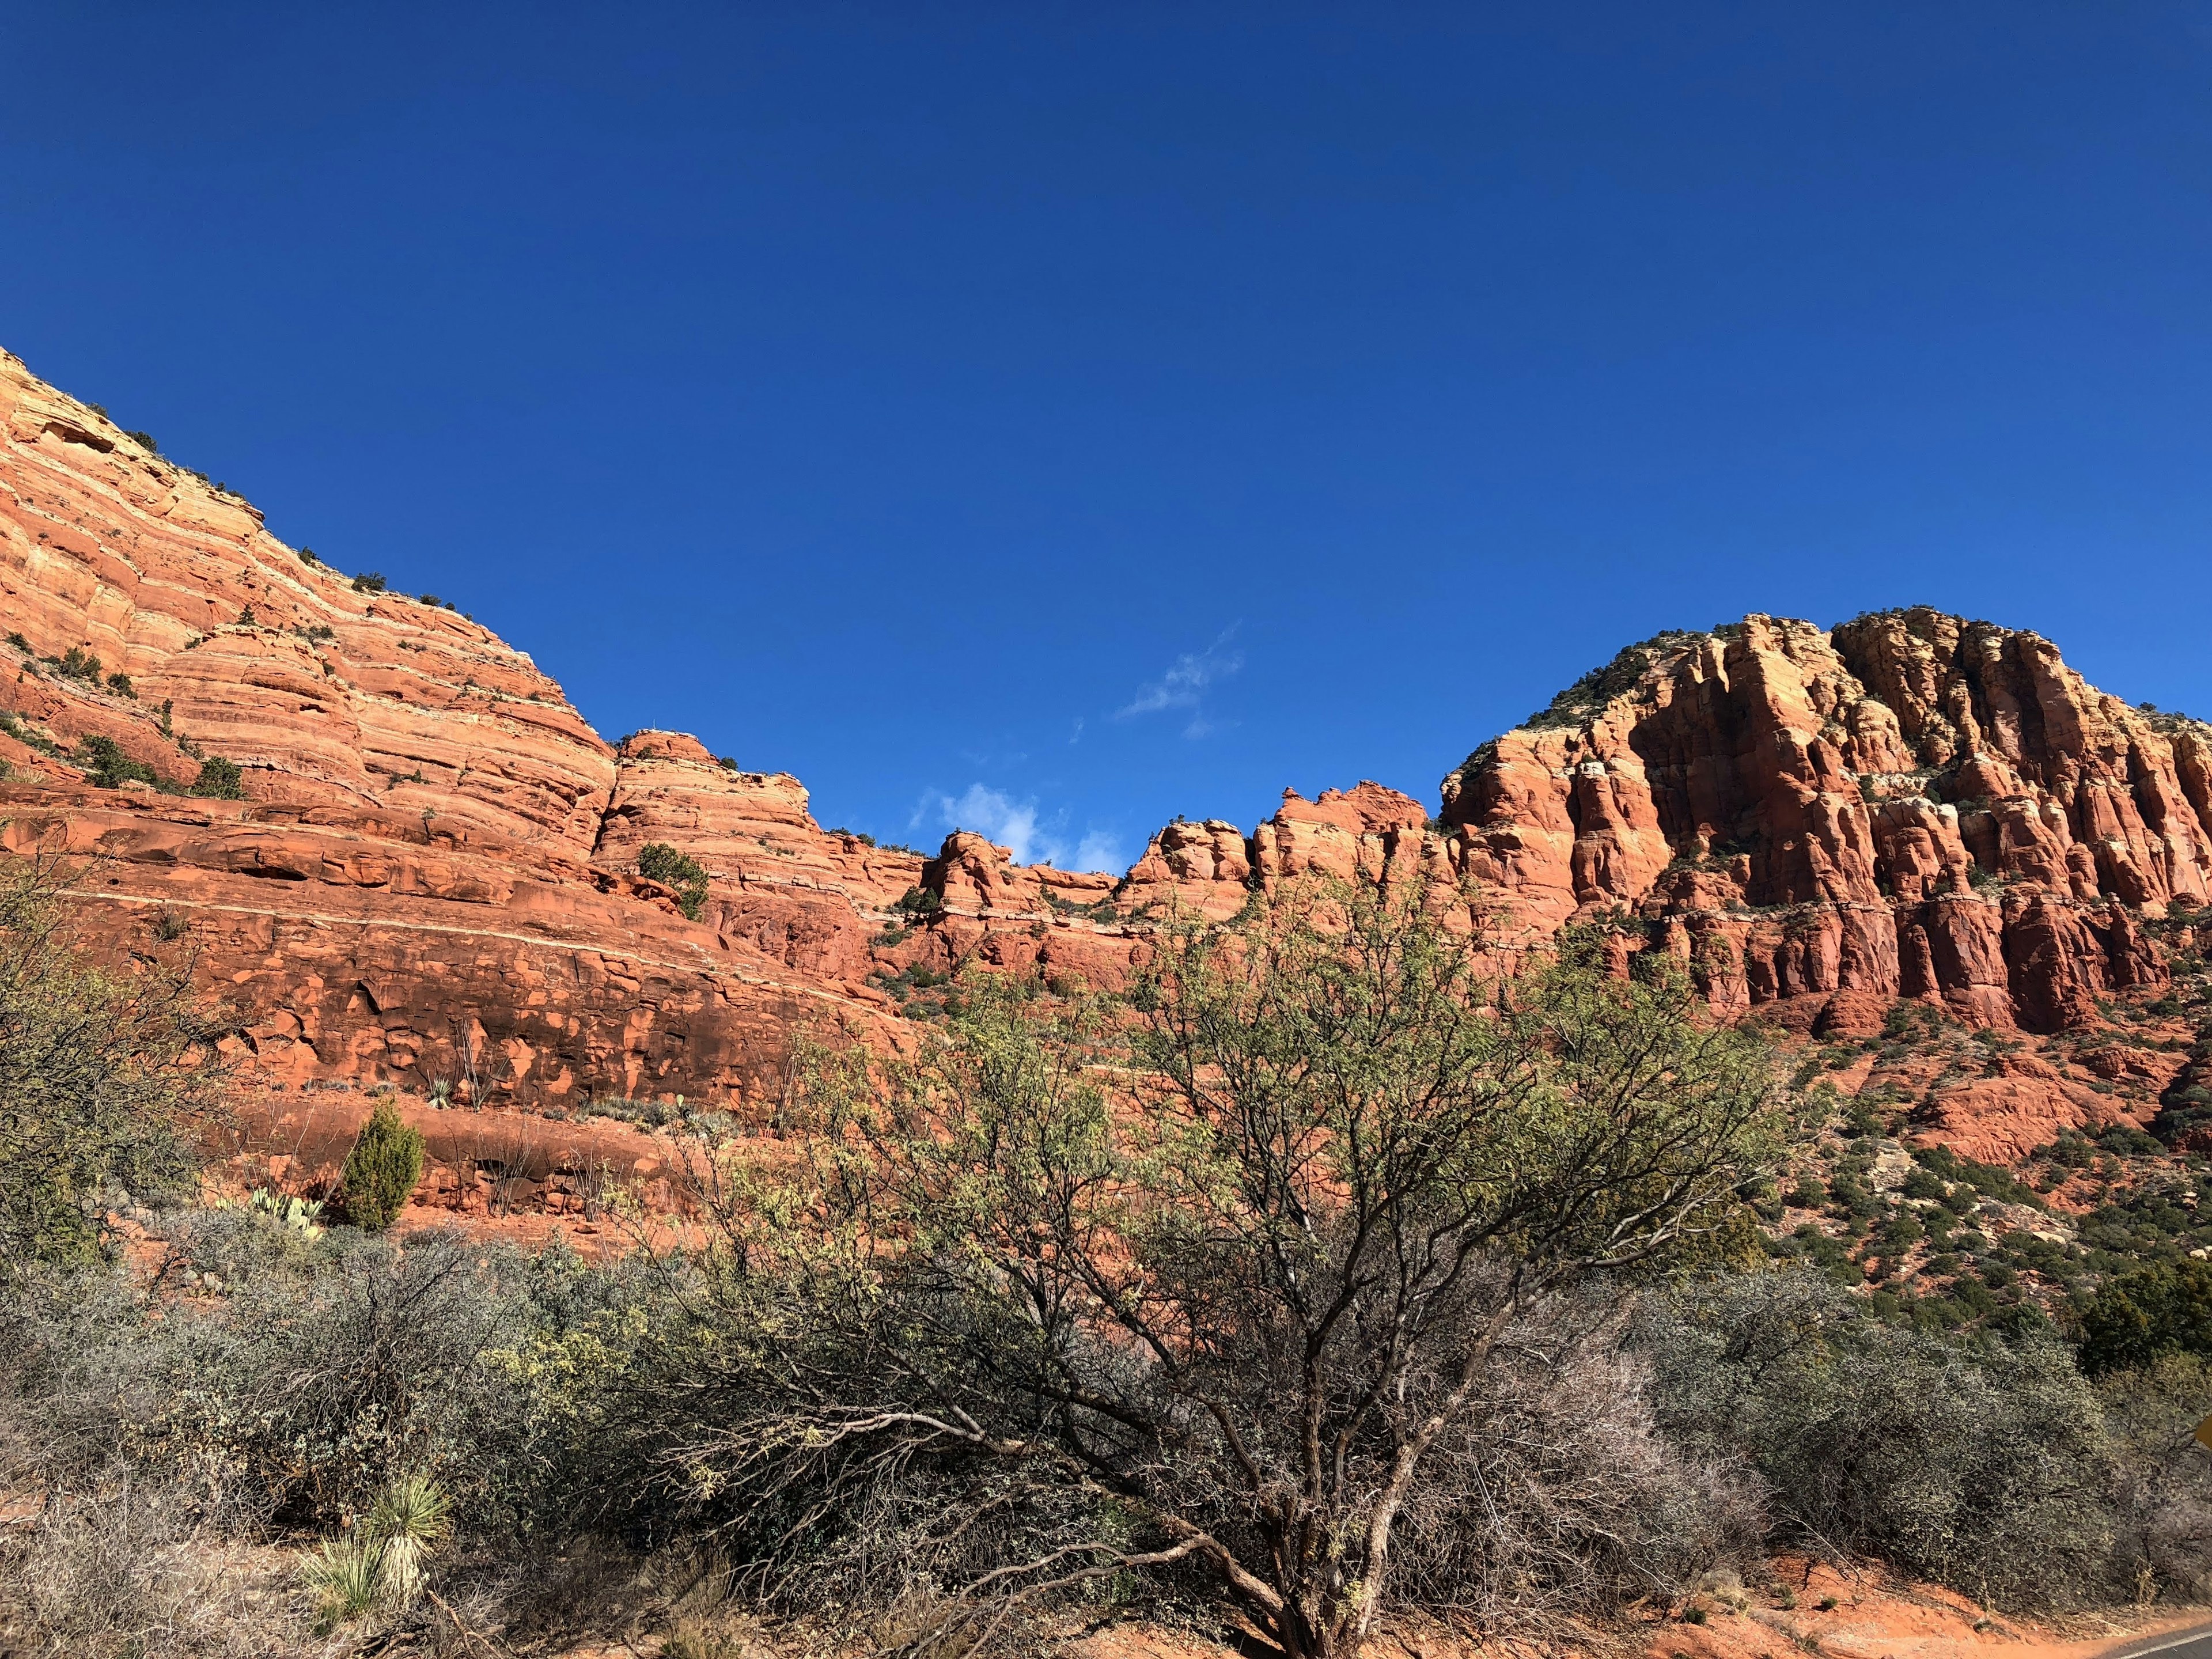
{"x":1185,"y":684}
{"x":1017,"y":824}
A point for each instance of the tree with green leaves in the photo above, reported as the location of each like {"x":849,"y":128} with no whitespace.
{"x":2150,"y":1314}
{"x":1216,"y":1279}
{"x":678,"y":871}
{"x":103,"y":1067}
{"x":381,"y":1170}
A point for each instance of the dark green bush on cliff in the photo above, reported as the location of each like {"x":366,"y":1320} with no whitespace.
{"x":219,"y":780}
{"x":685,"y":876}
{"x":78,"y":664}
{"x":106,"y":766}
{"x":918,"y":902}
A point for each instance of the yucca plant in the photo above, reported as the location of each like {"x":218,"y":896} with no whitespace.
{"x":410,"y":1519}
{"x":344,"y":1576}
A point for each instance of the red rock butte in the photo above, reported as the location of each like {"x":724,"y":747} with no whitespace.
{"x":433,"y":870}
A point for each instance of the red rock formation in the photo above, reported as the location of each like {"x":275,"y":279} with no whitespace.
{"x":1910,"y":807}
{"x":1209,"y":870}
{"x":434,"y":868}
{"x":436,"y":850}
{"x":433,"y":872}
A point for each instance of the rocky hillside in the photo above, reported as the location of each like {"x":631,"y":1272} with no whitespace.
{"x":429,"y":871}
{"x":1910,"y":805}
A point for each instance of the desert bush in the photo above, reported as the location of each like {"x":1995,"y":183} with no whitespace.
{"x":1060,"y":1305}
{"x":1984,"y":1466}
{"x":118,"y":1564}
{"x":657,"y":861}
{"x":219,"y":780}
{"x":99,"y":1070}
{"x":380,"y":1172}
{"x":318,"y":1368}
{"x":2162,"y":1480}
{"x":1560,"y":1496}
{"x":2142,"y":1317}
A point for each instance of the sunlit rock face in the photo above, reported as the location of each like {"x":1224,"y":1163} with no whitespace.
{"x":433,"y":865}
{"x":1909,"y":805}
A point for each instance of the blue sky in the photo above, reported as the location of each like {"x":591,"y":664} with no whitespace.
{"x":1056,"y":418}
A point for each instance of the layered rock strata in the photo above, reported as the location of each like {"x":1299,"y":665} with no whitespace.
{"x":1910,"y":807}
{"x":432,"y":874}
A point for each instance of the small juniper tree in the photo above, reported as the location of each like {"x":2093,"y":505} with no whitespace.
{"x":219,"y":780}
{"x":382,"y":1169}
{"x":2140,"y":1317}
{"x":659,"y":862}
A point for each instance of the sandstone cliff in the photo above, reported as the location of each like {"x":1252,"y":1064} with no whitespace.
{"x":1910,"y":806}
{"x":432,"y":873}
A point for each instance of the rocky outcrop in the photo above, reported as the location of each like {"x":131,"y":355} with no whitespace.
{"x":1912,"y":806}
{"x":434,"y":868}
{"x":1211,"y":870}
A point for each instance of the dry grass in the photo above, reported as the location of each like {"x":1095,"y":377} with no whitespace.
{"x":119,"y":1567}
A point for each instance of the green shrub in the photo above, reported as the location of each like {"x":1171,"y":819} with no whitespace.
{"x":2142,"y":1317}
{"x":106,"y":766}
{"x":369,"y":581}
{"x":381,"y":1169}
{"x":685,"y":876}
{"x":1987,"y":1179}
{"x":78,"y":665}
{"x":1980,"y":1466}
{"x":918,"y":902}
{"x":219,"y":780}
{"x":97,"y":1071}
{"x":13,"y":726}
{"x":120,"y":685}
{"x":1924,"y":1184}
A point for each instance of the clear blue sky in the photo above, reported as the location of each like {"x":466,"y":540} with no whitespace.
{"x":1127,"y":410}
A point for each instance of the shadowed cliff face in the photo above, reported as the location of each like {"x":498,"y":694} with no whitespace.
{"x":434,"y":868}
{"x":1912,"y":806}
